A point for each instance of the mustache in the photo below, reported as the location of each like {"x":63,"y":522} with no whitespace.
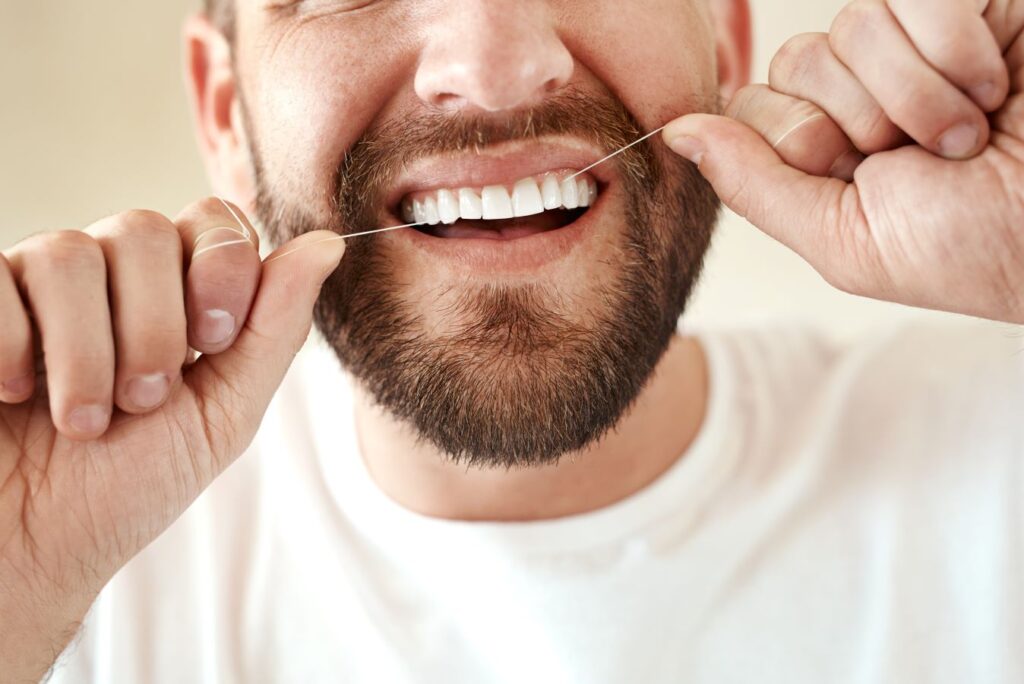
{"x":373,"y":162}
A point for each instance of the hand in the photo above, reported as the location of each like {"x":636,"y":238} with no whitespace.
{"x":103,"y":452}
{"x":888,"y":153}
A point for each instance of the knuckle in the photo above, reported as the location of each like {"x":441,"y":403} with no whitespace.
{"x":146,"y":222}
{"x":742,"y":101}
{"x":66,"y":249}
{"x":872,"y":131}
{"x":797,"y":57}
{"x":859,"y":18}
{"x":207,"y":205}
{"x":152,"y":228}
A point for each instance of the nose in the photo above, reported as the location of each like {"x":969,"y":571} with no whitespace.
{"x":492,"y":55}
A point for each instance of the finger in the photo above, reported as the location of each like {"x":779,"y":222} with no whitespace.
{"x":143,"y":255}
{"x":958,"y":42}
{"x":819,"y":218}
{"x":867,"y":38}
{"x":236,"y":386}
{"x":17,"y":374}
{"x":801,"y":133}
{"x":63,"y":277}
{"x":1010,"y":119}
{"x":222,"y":257}
{"x":806,"y":68}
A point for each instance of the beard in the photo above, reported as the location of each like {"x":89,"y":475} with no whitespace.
{"x":524,"y":375}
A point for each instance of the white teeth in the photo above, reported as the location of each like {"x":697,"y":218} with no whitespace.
{"x":430,"y":214}
{"x":551,"y":193}
{"x":447,"y":207}
{"x":418,"y":215}
{"x":497,"y":203}
{"x":570,"y":194}
{"x":526,"y":198}
{"x":471,"y":207}
{"x":529,"y":197}
{"x":584,"y":192}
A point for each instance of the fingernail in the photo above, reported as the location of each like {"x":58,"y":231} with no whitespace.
{"x":19,"y":387}
{"x":986,"y":95}
{"x":89,"y":420}
{"x":960,"y":141}
{"x":689,"y":147}
{"x":148,"y":391}
{"x":845,"y":167}
{"x":215,"y":327}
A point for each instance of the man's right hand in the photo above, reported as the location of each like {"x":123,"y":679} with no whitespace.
{"x":118,"y":434}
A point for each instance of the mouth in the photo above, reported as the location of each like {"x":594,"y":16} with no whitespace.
{"x":527,"y":207}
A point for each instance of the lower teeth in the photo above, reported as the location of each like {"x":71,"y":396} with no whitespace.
{"x":551,"y":220}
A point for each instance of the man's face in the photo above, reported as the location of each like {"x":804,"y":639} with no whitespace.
{"x":505,"y":340}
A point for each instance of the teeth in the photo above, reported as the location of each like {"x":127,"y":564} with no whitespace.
{"x":570,"y":194}
{"x":551,"y":193}
{"x":584,"y":192}
{"x":497,"y":203}
{"x":528,"y":197}
{"x":430,"y":214}
{"x":447,"y":207}
{"x":470,"y":205}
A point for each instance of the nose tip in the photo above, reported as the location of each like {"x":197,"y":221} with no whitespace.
{"x":515,"y":86}
{"x":495,"y":63}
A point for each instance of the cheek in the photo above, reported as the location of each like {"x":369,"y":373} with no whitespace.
{"x":310,"y":105}
{"x":657,"y":56}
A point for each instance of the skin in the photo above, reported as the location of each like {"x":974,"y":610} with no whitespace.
{"x":71,"y":508}
{"x":921,"y":223}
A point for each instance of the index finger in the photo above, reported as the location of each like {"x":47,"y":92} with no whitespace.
{"x":957,"y":41}
{"x":223,"y":272}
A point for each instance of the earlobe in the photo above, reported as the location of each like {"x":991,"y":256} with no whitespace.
{"x":732,"y":20}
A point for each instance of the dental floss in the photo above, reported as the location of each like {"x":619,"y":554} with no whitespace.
{"x":797,"y":127}
{"x":197,"y":252}
{"x":244,"y":232}
{"x":245,"y":229}
{"x":616,"y":153}
{"x":414,"y":225}
{"x":345,"y":237}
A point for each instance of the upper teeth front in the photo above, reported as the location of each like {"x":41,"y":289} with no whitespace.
{"x":528,"y":197}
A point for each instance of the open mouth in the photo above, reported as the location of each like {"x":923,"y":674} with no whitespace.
{"x":533,"y":205}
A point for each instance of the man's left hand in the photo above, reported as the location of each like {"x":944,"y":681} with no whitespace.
{"x":889,"y":153}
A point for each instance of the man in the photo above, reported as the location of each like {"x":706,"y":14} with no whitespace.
{"x":525,"y":473}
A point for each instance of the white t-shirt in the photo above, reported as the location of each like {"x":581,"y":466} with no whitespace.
{"x":845,"y":515}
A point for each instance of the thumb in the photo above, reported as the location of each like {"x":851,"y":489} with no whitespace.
{"x":235,"y":387}
{"x":818,"y":218}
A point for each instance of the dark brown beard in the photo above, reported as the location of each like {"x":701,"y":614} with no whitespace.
{"x":522,"y":380}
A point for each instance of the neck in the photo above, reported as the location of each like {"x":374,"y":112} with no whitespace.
{"x":655,"y":434}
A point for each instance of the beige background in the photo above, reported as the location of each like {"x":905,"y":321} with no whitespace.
{"x":93,"y":121}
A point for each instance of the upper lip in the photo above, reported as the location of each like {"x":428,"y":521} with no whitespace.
{"x":502,"y":164}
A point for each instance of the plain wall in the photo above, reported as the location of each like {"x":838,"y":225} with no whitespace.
{"x":93,"y":120}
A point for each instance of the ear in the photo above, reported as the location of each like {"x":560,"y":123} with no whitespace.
{"x":735,"y":44}
{"x":217,"y":110}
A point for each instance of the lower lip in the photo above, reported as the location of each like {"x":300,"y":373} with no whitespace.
{"x":509,"y":256}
